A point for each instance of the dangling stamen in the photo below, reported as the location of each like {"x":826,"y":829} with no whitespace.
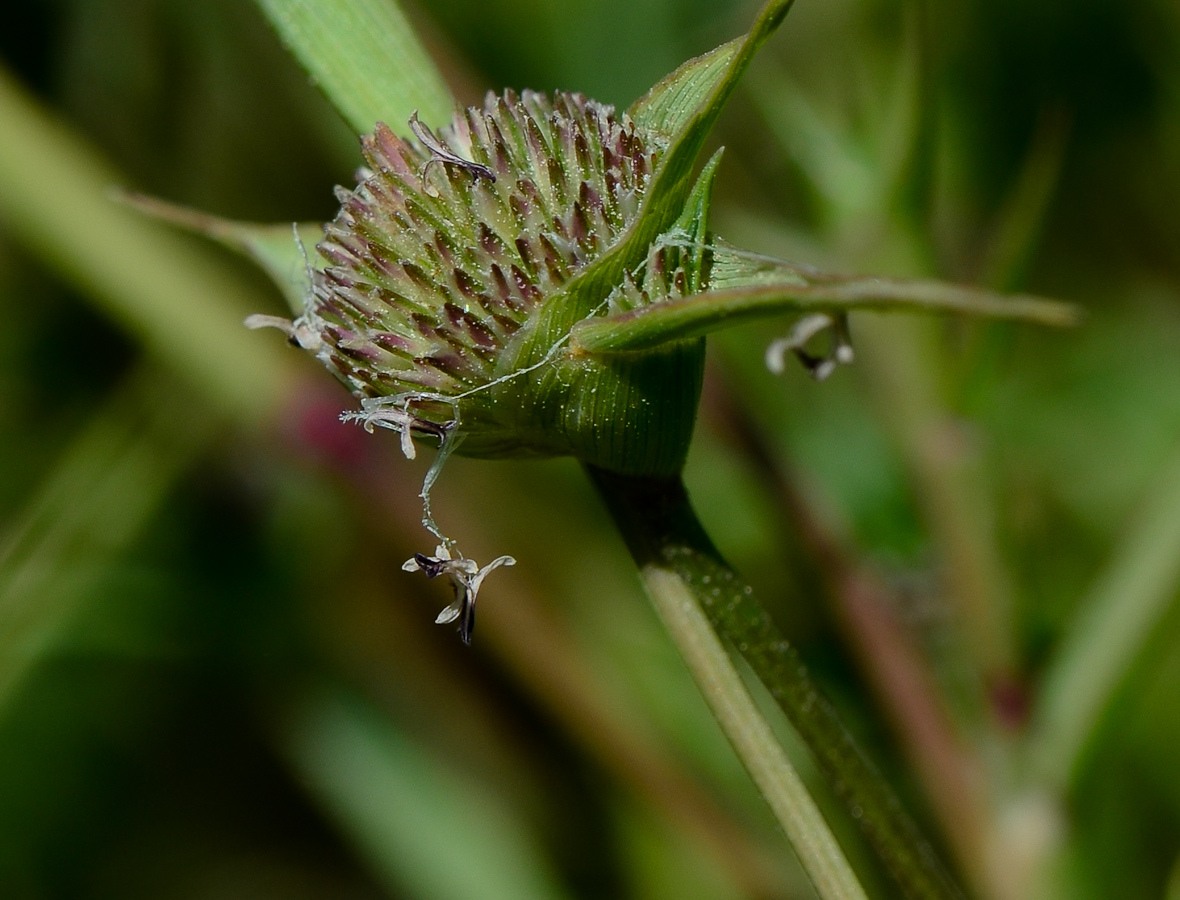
{"x":818,"y":367}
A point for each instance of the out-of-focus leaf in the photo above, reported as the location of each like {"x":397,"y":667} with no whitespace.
{"x":1109,"y":633}
{"x":55,"y":199}
{"x":365,"y":56}
{"x":90,"y":507}
{"x":1025,"y":209}
{"x":285,"y":252}
{"x":876,"y":161}
{"x":422,"y":826}
{"x":744,"y":293}
{"x":850,"y":183}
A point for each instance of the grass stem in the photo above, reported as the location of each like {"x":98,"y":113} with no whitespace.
{"x":681,"y":610}
{"x":698,"y":592}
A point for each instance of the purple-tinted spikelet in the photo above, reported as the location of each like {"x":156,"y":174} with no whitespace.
{"x":437,"y":268}
{"x":434,"y":266}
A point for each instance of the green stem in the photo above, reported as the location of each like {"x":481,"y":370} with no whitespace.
{"x":949,"y":769}
{"x":682,"y":569}
{"x":680,"y":608}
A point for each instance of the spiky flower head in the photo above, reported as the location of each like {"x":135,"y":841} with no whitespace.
{"x":537,"y":279}
{"x":449,"y":290}
{"x":441,"y":259}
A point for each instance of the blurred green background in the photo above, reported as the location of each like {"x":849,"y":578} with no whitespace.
{"x":215,"y":681}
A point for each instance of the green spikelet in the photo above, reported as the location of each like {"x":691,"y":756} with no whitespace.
{"x":442,"y":258}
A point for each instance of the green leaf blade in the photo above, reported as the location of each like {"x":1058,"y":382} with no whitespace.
{"x":700,"y":314}
{"x":366,"y":58}
{"x":686,"y":106}
{"x":694,"y":225}
{"x":285,"y":252}
{"x":673,"y":99}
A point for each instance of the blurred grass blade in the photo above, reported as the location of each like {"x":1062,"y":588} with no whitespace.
{"x":1108,"y":634}
{"x":907,"y":127}
{"x":771,"y":294}
{"x":429,"y":832}
{"x":90,"y":507}
{"x":366,"y":58}
{"x":846,"y":178}
{"x":284,"y":252}
{"x":1024,"y":211}
{"x":185,"y":308}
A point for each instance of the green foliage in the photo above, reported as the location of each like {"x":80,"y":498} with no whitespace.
{"x":188,"y":560}
{"x":436,"y":302}
{"x":366,"y":58}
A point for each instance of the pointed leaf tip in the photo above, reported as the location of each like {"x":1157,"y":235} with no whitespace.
{"x":285,"y":251}
{"x":765,"y":294}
